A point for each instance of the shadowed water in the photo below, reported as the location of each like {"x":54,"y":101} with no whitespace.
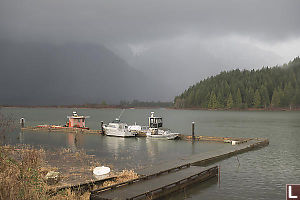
{"x":259,"y":174}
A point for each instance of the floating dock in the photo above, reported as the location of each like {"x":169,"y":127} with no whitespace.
{"x":52,"y":128}
{"x":206,"y":157}
{"x":155,"y":185}
{"x":162,"y":179}
{"x":159,"y":180}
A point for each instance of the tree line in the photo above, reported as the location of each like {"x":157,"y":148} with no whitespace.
{"x":137,"y":103}
{"x":273,"y":87}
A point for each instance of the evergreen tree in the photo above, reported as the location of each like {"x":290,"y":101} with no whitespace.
{"x":238,"y":98}
{"x":191,"y":99}
{"x":281,"y":97}
{"x":288,"y":94}
{"x":264,"y":96}
{"x":213,"y":101}
{"x":275,"y":98}
{"x":297,"y":95}
{"x":220,"y":100}
{"x":229,"y":101}
{"x":250,"y":98}
{"x":257,"y":99}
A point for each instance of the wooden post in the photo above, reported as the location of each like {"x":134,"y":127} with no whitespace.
{"x":102,"y":127}
{"x":22,"y":122}
{"x":193,"y":131}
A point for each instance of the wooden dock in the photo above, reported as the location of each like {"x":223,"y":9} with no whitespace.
{"x":162,"y":179}
{"x":213,"y":138}
{"x":155,"y":185}
{"x":205,"y":158}
{"x":60,"y":129}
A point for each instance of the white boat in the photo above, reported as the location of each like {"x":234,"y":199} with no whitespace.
{"x":162,"y":134}
{"x":135,"y":127}
{"x":118,"y":129}
{"x":155,"y":129}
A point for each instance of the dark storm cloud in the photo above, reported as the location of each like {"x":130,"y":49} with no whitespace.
{"x":139,"y":21}
{"x":174,"y":43}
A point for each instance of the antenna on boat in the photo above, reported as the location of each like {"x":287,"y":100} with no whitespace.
{"x":121,"y":114}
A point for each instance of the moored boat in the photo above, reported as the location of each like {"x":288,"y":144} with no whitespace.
{"x":118,"y":129}
{"x":77,"y":121}
{"x":156,"y":131}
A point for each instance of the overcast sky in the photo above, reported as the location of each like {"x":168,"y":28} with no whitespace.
{"x":179,"y":41}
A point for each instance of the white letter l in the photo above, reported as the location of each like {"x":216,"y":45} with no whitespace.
{"x":290,"y":193}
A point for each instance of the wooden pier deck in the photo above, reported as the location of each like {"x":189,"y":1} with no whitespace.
{"x":155,"y":185}
{"x":166,"y":177}
{"x":169,"y":175}
{"x":60,"y":129}
{"x":204,"y":158}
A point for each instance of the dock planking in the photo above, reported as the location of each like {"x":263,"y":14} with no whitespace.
{"x":165,"y":175}
{"x":158,"y":186}
{"x":203,"y":158}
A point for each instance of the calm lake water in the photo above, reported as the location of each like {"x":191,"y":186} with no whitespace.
{"x":262,"y":174}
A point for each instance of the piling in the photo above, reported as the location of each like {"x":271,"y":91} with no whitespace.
{"x":193,"y":131}
{"x":22,"y":122}
{"x":102,"y":127}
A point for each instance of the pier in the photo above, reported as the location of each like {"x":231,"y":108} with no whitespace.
{"x":156,"y":185}
{"x":50,"y":128}
{"x":162,"y":179}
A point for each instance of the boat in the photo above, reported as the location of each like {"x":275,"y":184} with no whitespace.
{"x":135,"y":127}
{"x":162,"y":134}
{"x":118,"y":129}
{"x":138,"y":129}
{"x":76,"y":121}
{"x":156,"y":131}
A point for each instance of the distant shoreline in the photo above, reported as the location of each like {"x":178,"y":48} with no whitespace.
{"x":156,"y":107}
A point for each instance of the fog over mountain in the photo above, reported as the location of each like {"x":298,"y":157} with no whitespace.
{"x":45,"y":74}
{"x":122,"y":48}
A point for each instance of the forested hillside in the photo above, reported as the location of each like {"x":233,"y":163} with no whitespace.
{"x":265,"y":88}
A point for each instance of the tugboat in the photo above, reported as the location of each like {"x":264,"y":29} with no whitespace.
{"x":76,"y":121}
{"x":156,"y":131}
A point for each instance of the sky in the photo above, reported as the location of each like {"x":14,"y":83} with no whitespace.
{"x":179,"y":42}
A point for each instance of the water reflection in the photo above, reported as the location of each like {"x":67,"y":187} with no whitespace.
{"x":75,"y":141}
{"x":21,"y":137}
{"x":115,"y":145}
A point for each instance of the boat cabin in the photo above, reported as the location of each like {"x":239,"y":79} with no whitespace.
{"x":155,"y":122}
{"x":76,"y":121}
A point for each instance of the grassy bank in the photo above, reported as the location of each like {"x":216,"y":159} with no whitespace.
{"x":22,"y":172}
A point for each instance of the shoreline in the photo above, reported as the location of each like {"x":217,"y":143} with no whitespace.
{"x":154,"y":107}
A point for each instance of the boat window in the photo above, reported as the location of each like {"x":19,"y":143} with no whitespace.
{"x":112,"y":126}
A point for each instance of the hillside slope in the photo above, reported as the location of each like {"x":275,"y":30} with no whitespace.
{"x":268,"y":87}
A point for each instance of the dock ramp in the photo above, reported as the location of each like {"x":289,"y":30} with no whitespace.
{"x":156,"y":185}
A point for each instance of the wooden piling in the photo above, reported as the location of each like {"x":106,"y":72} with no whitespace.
{"x":102,"y":127}
{"x":193,"y":131}
{"x":22,"y":122}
